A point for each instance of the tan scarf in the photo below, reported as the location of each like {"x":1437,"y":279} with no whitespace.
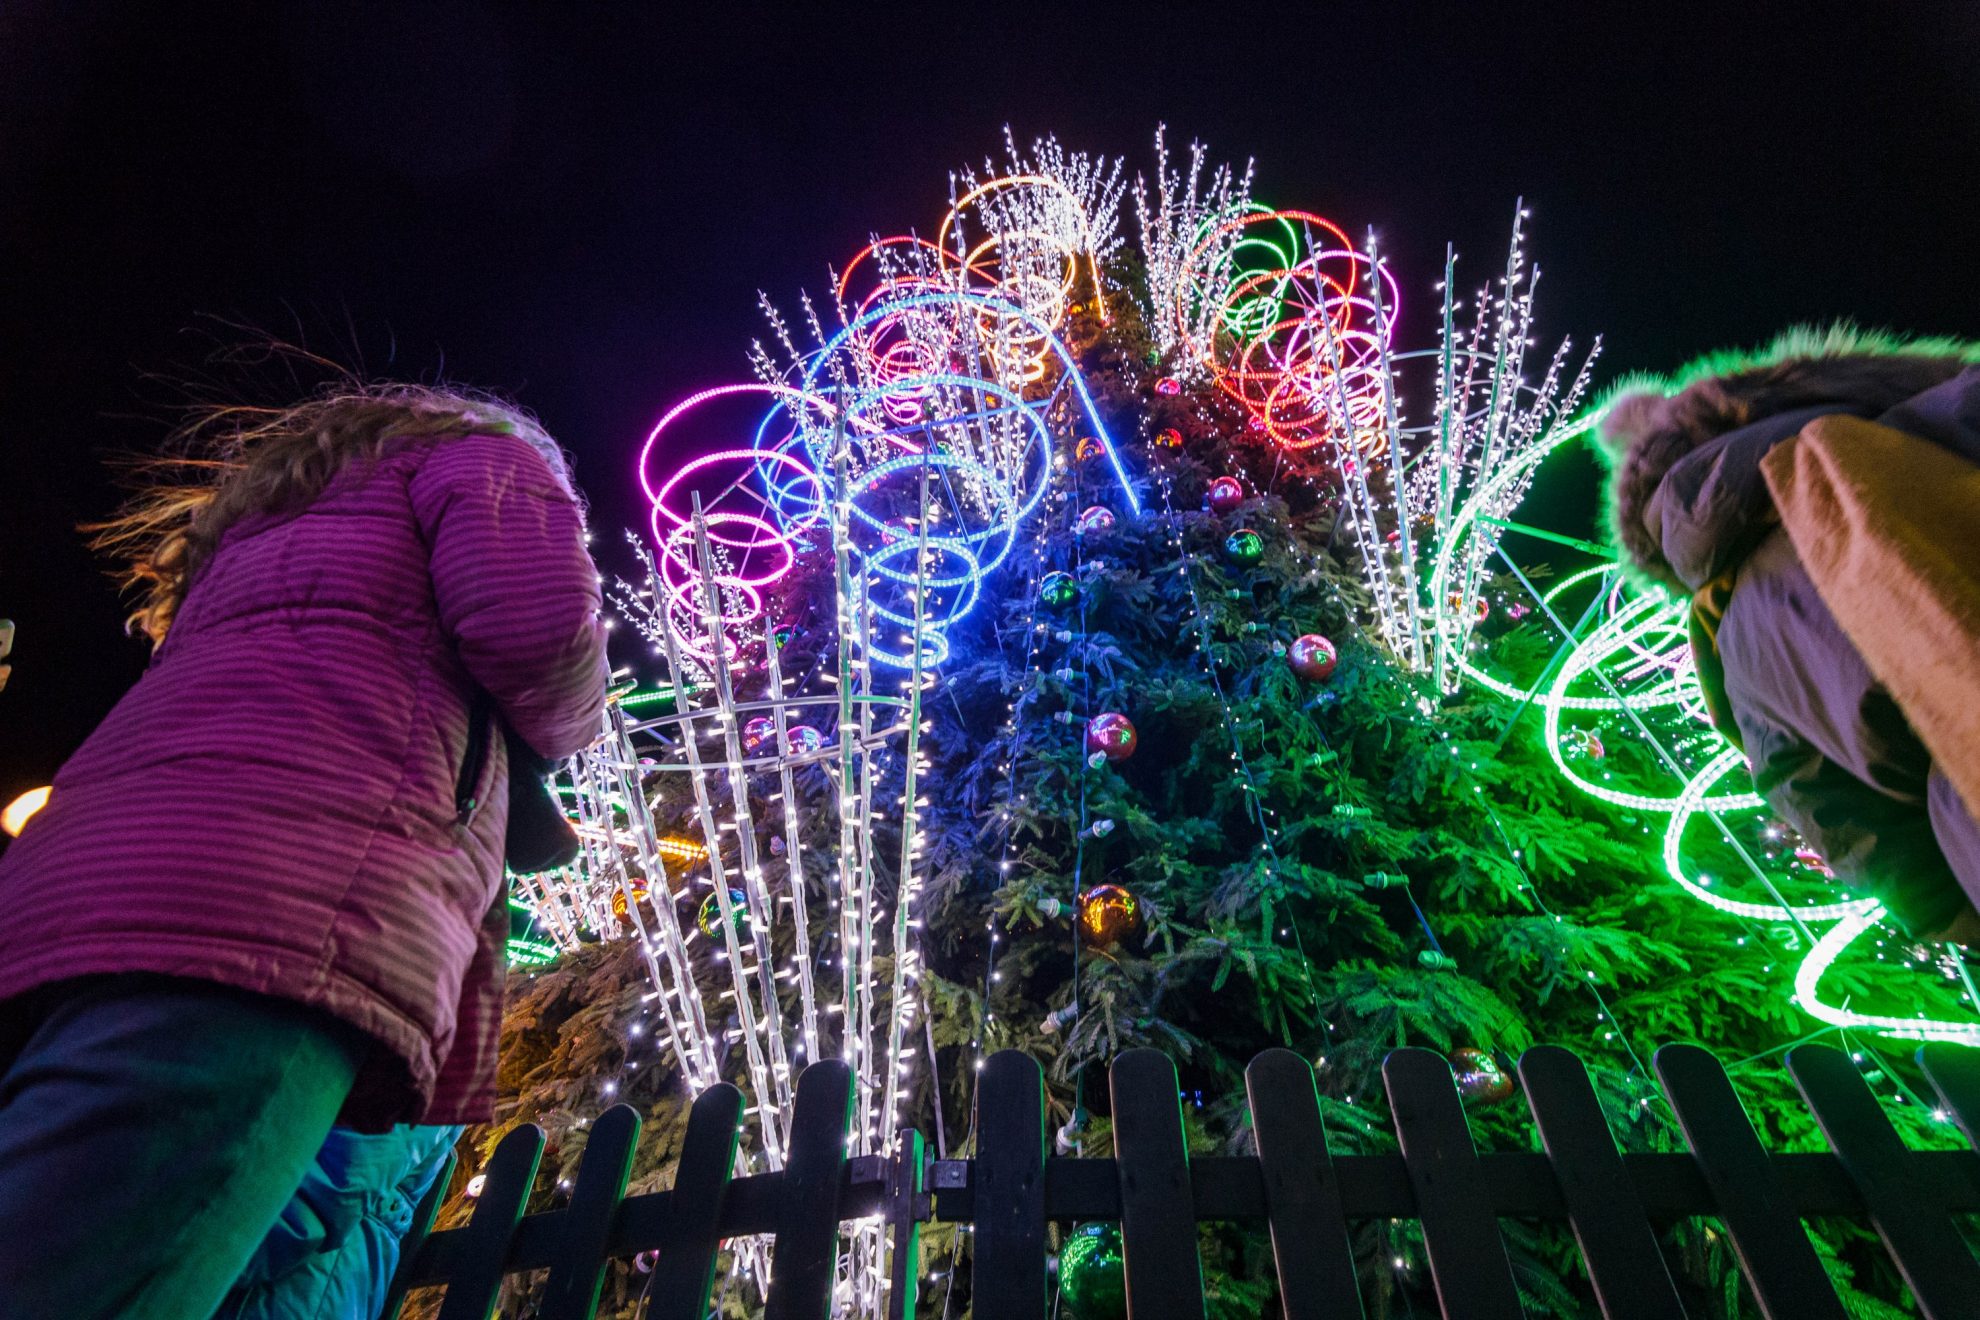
{"x":1888,"y":526}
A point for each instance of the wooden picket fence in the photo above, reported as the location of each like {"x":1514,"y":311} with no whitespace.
{"x":1308,"y":1198}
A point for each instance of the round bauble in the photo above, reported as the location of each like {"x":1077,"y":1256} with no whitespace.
{"x":1224,"y":494}
{"x":1583,"y":743}
{"x":1089,"y":447}
{"x":1168,"y":387}
{"x":1094,"y":521}
{"x":710,"y":916}
{"x":1111,"y":735}
{"x":1057,"y":590}
{"x":1246,"y":547}
{"x":802,"y":738}
{"x":1108,"y":914}
{"x":1312,"y":657}
{"x":1168,"y":438}
{"x":758,"y":734}
{"x":1093,"y":1274}
{"x":1479,"y":1076}
{"x":619,"y":903}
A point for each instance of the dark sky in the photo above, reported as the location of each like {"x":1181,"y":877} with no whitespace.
{"x":578,"y":202}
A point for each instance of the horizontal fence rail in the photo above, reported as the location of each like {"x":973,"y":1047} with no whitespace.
{"x":1616,"y":1203}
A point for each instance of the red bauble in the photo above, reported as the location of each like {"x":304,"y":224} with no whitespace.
{"x":1224,"y":494}
{"x":1312,"y":657}
{"x":1168,"y":387}
{"x":1111,"y":735}
{"x":1170,"y":438}
{"x":1479,"y":1076}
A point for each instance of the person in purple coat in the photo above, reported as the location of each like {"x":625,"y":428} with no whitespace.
{"x":1694,"y":509}
{"x":252,"y":908}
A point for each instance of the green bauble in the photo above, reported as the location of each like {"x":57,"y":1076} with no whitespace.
{"x":710,"y":916}
{"x":1246,"y":547}
{"x":1092,"y":1279}
{"x":1057,"y":590}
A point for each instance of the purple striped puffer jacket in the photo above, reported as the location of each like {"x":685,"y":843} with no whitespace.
{"x":272,"y":806}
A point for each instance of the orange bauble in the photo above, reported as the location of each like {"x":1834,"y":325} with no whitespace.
{"x":1108,"y":914}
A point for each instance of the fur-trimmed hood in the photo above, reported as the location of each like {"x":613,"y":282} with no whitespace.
{"x":1686,"y":499}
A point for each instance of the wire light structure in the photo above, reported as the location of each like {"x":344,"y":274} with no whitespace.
{"x":895,"y":447}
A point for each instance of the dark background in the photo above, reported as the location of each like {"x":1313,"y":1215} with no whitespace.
{"x":578,"y":203}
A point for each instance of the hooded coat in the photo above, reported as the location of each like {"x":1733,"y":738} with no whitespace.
{"x":272,"y":806}
{"x":1829,"y":746}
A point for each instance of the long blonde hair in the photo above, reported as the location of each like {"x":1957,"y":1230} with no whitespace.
{"x":229,"y":461}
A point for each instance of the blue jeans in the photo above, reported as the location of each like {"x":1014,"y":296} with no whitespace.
{"x":151,"y":1130}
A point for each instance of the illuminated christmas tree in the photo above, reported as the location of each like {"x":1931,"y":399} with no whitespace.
{"x":1071,"y":645}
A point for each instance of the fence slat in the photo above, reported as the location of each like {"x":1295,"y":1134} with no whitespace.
{"x":1773,"y":1249}
{"x":484,"y":1252}
{"x":1954,"y":1071}
{"x":1007,"y":1272}
{"x":685,"y":1272}
{"x":572,"y":1290}
{"x":1302,"y":1197}
{"x":1617,"y":1242}
{"x":1158,"y":1215}
{"x":904,"y":1172}
{"x":1916,"y":1228}
{"x":807,"y":1249}
{"x":1461,"y":1234}
{"x":422,"y":1224}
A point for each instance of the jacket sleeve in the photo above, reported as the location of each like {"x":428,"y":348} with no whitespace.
{"x":1875,"y":843}
{"x":517,"y":591}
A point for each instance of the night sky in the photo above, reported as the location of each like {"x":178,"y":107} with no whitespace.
{"x":578,"y":202}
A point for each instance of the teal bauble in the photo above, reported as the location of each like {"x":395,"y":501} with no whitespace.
{"x":1246,"y":547}
{"x":1092,"y":1276}
{"x":1057,"y":590}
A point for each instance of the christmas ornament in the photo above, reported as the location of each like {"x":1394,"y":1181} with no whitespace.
{"x":1224,"y":494}
{"x":1583,"y":742}
{"x":710,"y":917}
{"x":1479,"y":1076}
{"x":1169,"y":438}
{"x":1092,"y":1274}
{"x":1810,"y":860}
{"x":1095,"y":520}
{"x":802,"y":738}
{"x":1057,"y":590}
{"x":1246,"y":547}
{"x":1168,"y":387}
{"x":1110,"y":735}
{"x":619,"y":904}
{"x":1088,"y":447}
{"x":758,"y":733}
{"x":1312,"y":657}
{"x":1107,"y":915}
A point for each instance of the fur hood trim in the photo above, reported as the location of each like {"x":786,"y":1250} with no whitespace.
{"x":1644,"y":424}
